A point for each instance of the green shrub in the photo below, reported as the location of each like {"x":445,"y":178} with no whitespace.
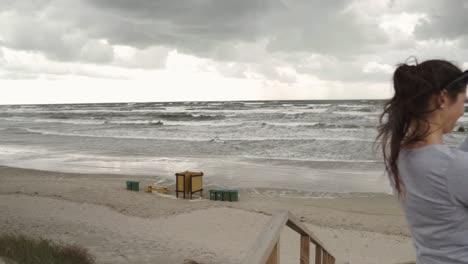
{"x":24,"y":250}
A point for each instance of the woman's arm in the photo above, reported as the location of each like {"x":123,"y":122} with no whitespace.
{"x":457,"y":179}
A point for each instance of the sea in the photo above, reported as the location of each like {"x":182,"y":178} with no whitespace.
{"x":321,"y":148}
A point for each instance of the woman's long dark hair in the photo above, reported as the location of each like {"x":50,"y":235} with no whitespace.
{"x":414,"y":87}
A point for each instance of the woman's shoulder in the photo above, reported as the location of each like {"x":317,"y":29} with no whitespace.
{"x":459,"y":157}
{"x":436,"y":151}
{"x":432,"y":156}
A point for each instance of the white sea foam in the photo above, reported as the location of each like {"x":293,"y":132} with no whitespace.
{"x":353,"y":105}
{"x":356,"y":113}
{"x":250,"y":138}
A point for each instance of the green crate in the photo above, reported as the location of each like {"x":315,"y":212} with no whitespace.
{"x":219,"y":195}
{"x":233,"y":195}
{"x":136,"y":186}
{"x":213,"y":195}
{"x":129,"y":185}
{"x":226,"y":195}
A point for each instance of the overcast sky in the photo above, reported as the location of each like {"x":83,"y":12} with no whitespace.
{"x":67,"y":51}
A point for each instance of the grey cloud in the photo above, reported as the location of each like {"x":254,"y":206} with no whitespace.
{"x":330,"y":68}
{"x":14,"y":70}
{"x":445,"y":20}
{"x":37,"y":34}
{"x":272,"y":73}
{"x":209,"y":21}
{"x":57,"y":41}
{"x":95,"y":51}
{"x":234,"y":70}
{"x":31,"y":26}
{"x":17,"y":76}
{"x":326,"y":27}
{"x":202,"y":26}
{"x":257,"y":35}
{"x":248,"y":32}
{"x":205,"y":28}
{"x":150,"y":58}
{"x":93,"y":74}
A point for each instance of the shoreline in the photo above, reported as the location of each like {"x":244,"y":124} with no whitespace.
{"x":267,"y":192}
{"x":375,"y":223}
{"x":223,"y":172}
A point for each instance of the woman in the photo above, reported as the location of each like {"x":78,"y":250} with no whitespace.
{"x":431,"y":179}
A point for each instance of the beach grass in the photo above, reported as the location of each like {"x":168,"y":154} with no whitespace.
{"x":22,"y":249}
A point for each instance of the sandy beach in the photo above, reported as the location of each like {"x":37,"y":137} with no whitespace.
{"x":299,"y":107}
{"x":120,"y":226}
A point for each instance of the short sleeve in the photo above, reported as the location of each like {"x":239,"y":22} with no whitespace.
{"x":457,"y":178}
{"x":464,"y":145}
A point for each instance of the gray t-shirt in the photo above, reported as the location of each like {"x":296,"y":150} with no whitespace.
{"x":436,"y":202}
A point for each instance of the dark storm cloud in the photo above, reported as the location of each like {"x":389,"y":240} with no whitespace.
{"x":444,"y":20}
{"x":447,"y":21}
{"x":200,"y":27}
{"x":62,"y":29}
{"x":250,"y":33}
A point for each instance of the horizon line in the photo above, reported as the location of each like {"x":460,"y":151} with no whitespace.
{"x":147,"y":102}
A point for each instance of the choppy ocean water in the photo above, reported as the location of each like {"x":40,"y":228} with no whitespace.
{"x":319,"y":146}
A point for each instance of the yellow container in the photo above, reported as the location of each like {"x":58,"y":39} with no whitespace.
{"x":183,"y":183}
{"x":149,"y":189}
{"x":189,"y":182}
{"x":161,"y":189}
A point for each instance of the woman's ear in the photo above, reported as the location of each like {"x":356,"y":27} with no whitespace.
{"x":442,"y":99}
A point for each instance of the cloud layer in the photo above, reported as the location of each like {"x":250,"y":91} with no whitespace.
{"x":342,"y":40}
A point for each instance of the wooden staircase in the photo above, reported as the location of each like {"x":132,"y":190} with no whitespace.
{"x":265,"y":250}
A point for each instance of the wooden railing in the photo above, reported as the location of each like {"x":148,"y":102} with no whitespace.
{"x":266,"y":248}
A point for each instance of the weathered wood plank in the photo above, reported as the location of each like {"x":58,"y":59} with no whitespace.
{"x":318,"y":255}
{"x":266,"y":241}
{"x":300,"y":228}
{"x":328,"y":259}
{"x":266,"y":248}
{"x":274,"y":257}
{"x":305,"y":249}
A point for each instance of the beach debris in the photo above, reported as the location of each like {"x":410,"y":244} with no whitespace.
{"x":157,"y":123}
{"x":157,"y":188}
{"x":189,"y":261}
{"x":461,"y":129}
